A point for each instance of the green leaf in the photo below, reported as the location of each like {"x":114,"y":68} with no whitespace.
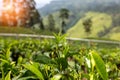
{"x":8,"y":76}
{"x":26,"y":78}
{"x":99,"y":64}
{"x":62,"y":63}
{"x":8,"y":53}
{"x":5,"y":61}
{"x":44,"y":60}
{"x":20,"y":59}
{"x":2,"y":56}
{"x":56,"y":77}
{"x":71,"y":53}
{"x":34,"y":70}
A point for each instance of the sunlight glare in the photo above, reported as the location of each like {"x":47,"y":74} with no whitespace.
{"x":9,"y":7}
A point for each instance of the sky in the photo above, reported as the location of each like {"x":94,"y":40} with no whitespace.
{"x":43,"y":1}
{"x":40,"y":3}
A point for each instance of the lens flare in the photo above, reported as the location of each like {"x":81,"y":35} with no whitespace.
{"x":9,"y":8}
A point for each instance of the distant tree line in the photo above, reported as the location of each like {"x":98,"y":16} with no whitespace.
{"x":80,"y":7}
{"x":63,"y":16}
{"x":23,"y":13}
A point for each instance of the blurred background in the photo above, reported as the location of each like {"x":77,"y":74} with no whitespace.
{"x":79,"y":18}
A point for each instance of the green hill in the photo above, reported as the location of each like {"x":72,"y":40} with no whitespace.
{"x":114,"y":33}
{"x":101,"y":23}
{"x":79,"y":8}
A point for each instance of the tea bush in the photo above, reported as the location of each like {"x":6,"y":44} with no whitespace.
{"x":34,"y":59}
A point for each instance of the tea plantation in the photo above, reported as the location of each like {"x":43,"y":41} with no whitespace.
{"x":56,"y":59}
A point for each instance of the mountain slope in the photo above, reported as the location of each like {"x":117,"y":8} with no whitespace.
{"x":101,"y":22}
{"x":106,"y":16}
{"x":79,"y":7}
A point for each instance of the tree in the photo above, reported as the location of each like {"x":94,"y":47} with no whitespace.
{"x":27,"y":13}
{"x":8,"y":13}
{"x":51,"y":22}
{"x":87,"y":23}
{"x":35,"y":16}
{"x":63,"y":14}
{"x":115,"y":20}
{"x":20,"y":13}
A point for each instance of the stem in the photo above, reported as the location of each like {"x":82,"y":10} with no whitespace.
{"x":2,"y":73}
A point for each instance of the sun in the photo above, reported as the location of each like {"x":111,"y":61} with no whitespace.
{"x":8,"y":14}
{"x":9,"y":8}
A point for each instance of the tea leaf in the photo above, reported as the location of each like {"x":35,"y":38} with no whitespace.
{"x":8,"y":76}
{"x":56,"y":77}
{"x":100,"y":65}
{"x":34,"y":70}
{"x":26,"y":78}
{"x":44,"y":60}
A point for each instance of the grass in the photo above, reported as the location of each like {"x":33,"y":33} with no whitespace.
{"x":22,"y":30}
{"x":99,"y":21}
{"x":16,"y":30}
{"x":115,"y":33}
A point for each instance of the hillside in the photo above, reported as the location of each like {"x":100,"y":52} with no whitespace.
{"x":58,"y":20}
{"x":105,"y":16}
{"x":79,"y":8}
{"x":79,"y":5}
{"x":101,"y":23}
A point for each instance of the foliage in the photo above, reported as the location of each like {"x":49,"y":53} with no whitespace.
{"x":8,"y":76}
{"x":51,"y":22}
{"x":34,"y":70}
{"x":33,"y":59}
{"x":87,"y":25}
{"x":27,"y":15}
{"x":63,"y":14}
